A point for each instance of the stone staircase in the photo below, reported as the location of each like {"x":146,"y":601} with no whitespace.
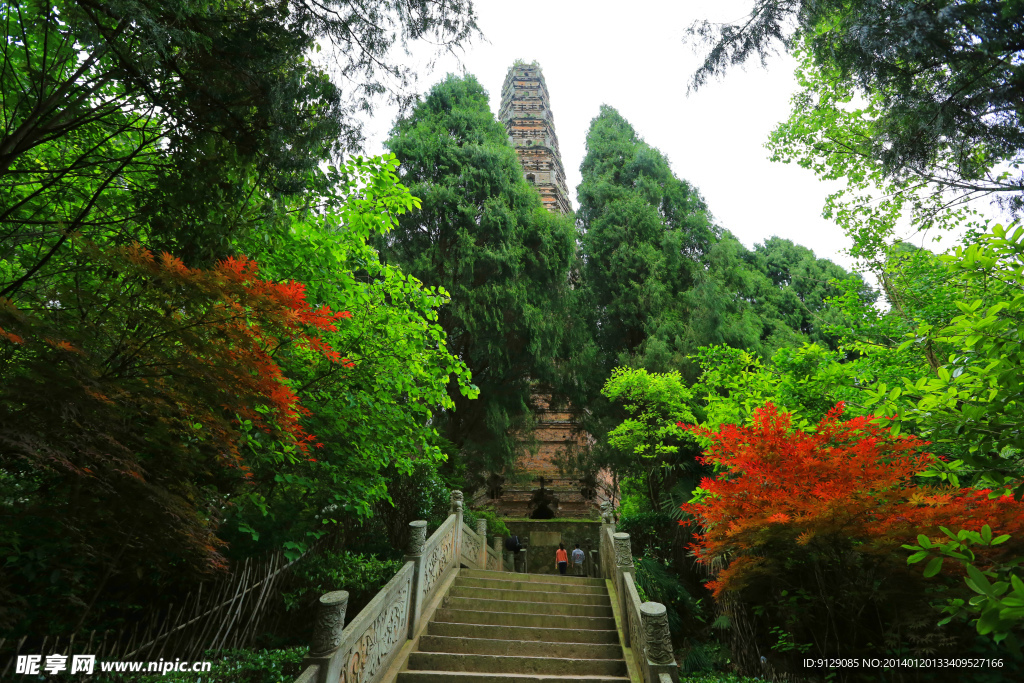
{"x":500,"y":627}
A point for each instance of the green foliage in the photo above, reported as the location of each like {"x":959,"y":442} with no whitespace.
{"x":912,"y":103}
{"x":718,"y":677}
{"x":971,"y":407}
{"x":359,"y":574}
{"x":374,"y":412}
{"x":495,"y":525}
{"x":657,"y":583}
{"x":647,"y":443}
{"x":658,"y":281}
{"x":161,"y":387}
{"x":998,"y":608}
{"x":655,"y":403}
{"x":806,"y":382}
{"x":482,"y":237}
{"x":645,"y":233}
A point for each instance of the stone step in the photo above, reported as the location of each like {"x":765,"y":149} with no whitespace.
{"x":516,"y":584}
{"x":519,"y":648}
{"x":447,"y":661}
{"x":462,"y":616}
{"x":564,"y":609}
{"x":527,"y":595}
{"x":540,"y":578}
{"x":467,"y":677}
{"x":522,"y":633}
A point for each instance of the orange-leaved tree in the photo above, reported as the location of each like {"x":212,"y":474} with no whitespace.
{"x":802,"y":533}
{"x":123,"y":403}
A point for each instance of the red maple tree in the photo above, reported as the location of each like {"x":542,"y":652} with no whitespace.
{"x":779,"y":488}
{"x":129,"y":393}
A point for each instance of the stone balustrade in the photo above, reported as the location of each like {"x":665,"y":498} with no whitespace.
{"x":362,"y":651}
{"x":645,"y":624}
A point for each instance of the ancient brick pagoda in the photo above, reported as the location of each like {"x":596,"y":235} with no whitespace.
{"x":540,"y":491}
{"x":526,"y":113}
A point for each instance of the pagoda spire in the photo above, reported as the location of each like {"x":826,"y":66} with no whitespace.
{"x":526,"y":112}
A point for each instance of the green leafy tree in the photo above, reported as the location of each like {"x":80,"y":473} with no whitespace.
{"x":181,"y":124}
{"x":658,"y":280}
{"x":918,"y":120}
{"x":373,"y":412}
{"x":192,"y":397}
{"x":650,"y":445}
{"x":940,"y":85}
{"x":483,"y":238}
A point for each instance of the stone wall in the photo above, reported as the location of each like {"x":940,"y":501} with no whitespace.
{"x":541,"y":537}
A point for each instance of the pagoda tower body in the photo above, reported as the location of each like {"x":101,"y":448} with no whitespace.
{"x":539,"y":489}
{"x":526,"y":113}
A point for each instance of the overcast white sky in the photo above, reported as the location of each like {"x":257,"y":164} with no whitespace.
{"x":632,"y":56}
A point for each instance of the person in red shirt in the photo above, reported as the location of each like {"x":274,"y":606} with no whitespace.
{"x":561,"y":558}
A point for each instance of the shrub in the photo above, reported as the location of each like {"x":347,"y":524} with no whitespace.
{"x":495,"y":526}
{"x":802,"y":532}
{"x":361,"y":575}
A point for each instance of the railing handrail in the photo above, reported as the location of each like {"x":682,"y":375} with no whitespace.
{"x":439,"y":533}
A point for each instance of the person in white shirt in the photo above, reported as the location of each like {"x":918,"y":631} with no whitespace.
{"x":577,"y":561}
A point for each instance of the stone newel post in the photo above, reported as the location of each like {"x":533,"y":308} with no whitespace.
{"x":330,"y":622}
{"x":606,"y":566}
{"x":623,"y":565}
{"x":456,"y":509}
{"x":414,"y":553}
{"x":481,"y":531}
{"x":499,"y":545}
{"x":658,"y":655}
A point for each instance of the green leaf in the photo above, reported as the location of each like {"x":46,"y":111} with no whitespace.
{"x":980,"y":581}
{"x":933,"y":567}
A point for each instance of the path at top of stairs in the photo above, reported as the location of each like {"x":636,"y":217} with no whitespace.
{"x":500,"y":627}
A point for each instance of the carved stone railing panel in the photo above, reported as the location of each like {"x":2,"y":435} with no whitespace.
{"x":472,"y":546}
{"x":438,"y":556}
{"x":633,"y":621}
{"x":494,"y":559}
{"x":373,"y":638}
{"x":607,"y":549}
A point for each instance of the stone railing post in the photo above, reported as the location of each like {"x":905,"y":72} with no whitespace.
{"x":499,"y":545}
{"x":456,"y":509}
{"x":414,"y":553}
{"x":330,"y":622}
{"x":605,"y":564}
{"x":658,"y":656}
{"x":595,"y":564}
{"x":481,"y":531}
{"x":623,"y":565}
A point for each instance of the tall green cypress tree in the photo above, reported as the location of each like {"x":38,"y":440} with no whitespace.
{"x":660,"y":280}
{"x":645,"y":241}
{"x":483,"y":236}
